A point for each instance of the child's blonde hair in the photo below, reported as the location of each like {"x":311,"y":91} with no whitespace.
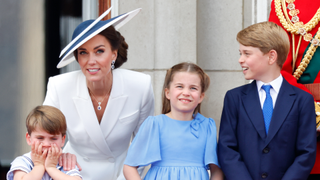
{"x":183,"y":67}
{"x":266,"y":36}
{"x":49,"y":118}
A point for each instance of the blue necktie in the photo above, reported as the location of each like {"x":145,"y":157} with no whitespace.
{"x":267,"y":107}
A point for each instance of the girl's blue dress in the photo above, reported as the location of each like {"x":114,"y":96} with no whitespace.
{"x":176,"y":150}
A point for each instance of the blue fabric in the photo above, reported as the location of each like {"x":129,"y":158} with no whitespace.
{"x":175,"y":149}
{"x":93,"y":29}
{"x":289,"y":150}
{"x":267,"y":107}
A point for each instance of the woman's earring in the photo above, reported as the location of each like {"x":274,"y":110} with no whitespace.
{"x":112,"y":64}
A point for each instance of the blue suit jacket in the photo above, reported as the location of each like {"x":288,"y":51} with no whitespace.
{"x":288,"y":151}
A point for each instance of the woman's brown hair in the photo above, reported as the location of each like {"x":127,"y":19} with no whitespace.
{"x":117,"y":42}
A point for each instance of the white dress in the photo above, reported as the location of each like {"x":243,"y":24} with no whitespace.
{"x":101,"y":148}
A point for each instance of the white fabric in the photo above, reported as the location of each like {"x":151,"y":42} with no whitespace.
{"x":274,"y":91}
{"x":101,"y":148}
{"x":24,"y":163}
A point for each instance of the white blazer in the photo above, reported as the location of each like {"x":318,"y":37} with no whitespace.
{"x":101,"y":148}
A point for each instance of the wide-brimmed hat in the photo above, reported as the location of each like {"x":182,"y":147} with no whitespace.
{"x":88,"y":29}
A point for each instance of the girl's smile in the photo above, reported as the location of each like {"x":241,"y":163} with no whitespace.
{"x":184,"y":94}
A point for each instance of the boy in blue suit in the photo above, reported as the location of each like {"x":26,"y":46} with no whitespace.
{"x":267,"y":128}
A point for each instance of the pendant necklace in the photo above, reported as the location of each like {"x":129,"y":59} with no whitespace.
{"x":99,"y":102}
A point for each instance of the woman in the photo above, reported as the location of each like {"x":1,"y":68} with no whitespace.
{"x":104,"y":106}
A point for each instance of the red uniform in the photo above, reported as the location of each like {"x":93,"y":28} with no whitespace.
{"x":307,"y":9}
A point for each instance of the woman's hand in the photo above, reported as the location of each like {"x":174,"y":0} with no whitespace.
{"x":53,"y":156}
{"x":37,"y":156}
{"x":68,"y":161}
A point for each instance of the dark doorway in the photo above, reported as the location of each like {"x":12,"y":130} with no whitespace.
{"x":61,"y":17}
{"x":56,"y":11}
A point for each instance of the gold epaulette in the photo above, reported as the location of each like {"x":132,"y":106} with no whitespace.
{"x":317,"y":114}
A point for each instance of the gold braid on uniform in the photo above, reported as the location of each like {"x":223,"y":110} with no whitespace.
{"x":294,"y":28}
{"x":307,"y":57}
{"x":302,"y":29}
{"x":317,"y":105}
{"x":299,"y":28}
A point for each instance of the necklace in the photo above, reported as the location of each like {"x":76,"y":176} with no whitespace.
{"x":99,"y":102}
{"x":301,"y":29}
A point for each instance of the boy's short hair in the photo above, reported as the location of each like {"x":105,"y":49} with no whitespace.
{"x":49,"y":118}
{"x":266,"y":36}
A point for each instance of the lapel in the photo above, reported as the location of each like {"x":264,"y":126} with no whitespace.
{"x":115,"y":104}
{"x":284,"y":103}
{"x":251,"y":103}
{"x":88,"y":117}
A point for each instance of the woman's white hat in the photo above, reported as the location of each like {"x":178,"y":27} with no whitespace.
{"x":88,"y":29}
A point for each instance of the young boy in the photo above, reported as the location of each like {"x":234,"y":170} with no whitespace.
{"x":267,"y":128}
{"x":46,"y":135}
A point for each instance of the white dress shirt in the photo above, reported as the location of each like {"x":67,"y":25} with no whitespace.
{"x":274,"y":91}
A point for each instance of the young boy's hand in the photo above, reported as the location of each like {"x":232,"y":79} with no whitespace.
{"x":37,"y":156}
{"x":53,"y":156}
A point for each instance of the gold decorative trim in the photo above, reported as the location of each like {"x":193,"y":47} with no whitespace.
{"x":317,"y":108}
{"x":307,"y":58}
{"x":302,"y":29}
{"x":289,"y":26}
